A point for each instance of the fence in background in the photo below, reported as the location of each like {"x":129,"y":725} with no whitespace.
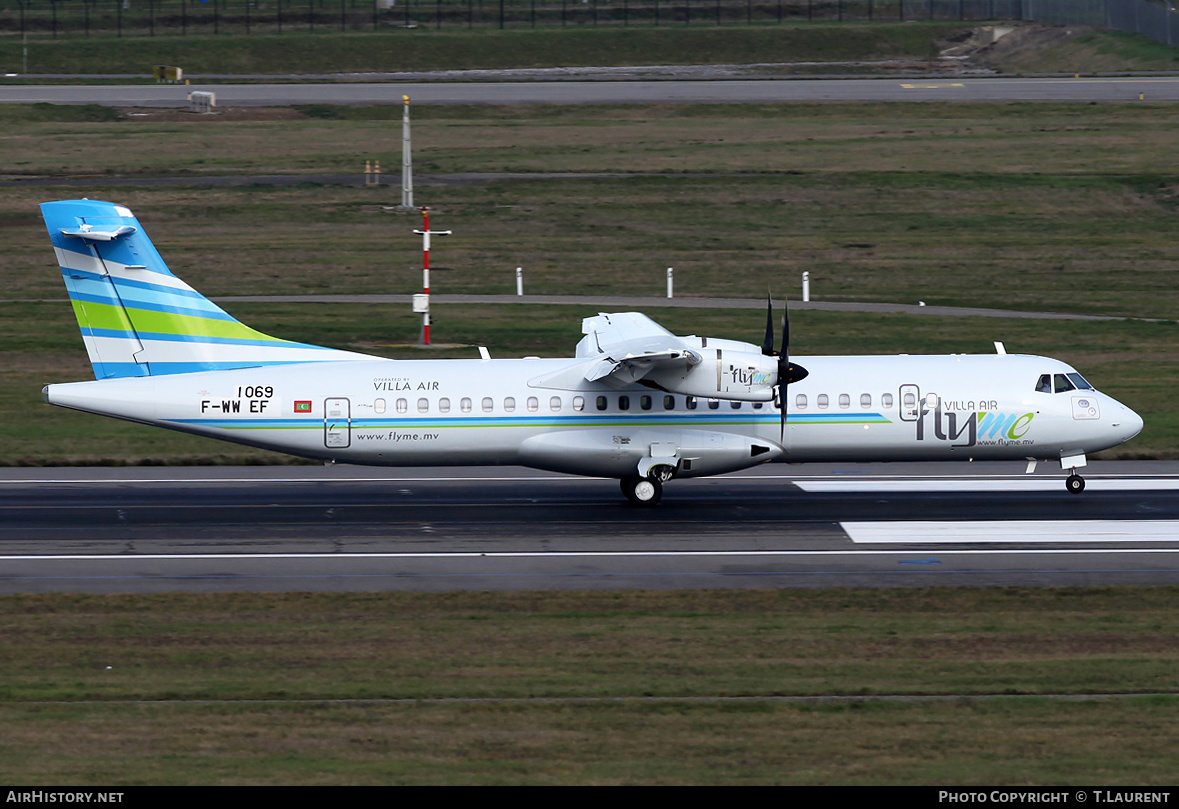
{"x":71,"y":18}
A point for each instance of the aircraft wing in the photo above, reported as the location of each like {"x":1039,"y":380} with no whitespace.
{"x":628,"y":346}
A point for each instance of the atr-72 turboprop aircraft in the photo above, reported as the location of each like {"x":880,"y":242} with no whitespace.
{"x":635,"y":402}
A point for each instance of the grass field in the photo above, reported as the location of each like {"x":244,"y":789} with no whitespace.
{"x":794,"y":48}
{"x":300,"y":52}
{"x":604,"y":688}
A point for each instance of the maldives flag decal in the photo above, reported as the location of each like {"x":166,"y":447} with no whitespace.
{"x":302,"y":407}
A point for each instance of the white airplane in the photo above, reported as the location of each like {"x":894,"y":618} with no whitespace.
{"x":635,"y":402}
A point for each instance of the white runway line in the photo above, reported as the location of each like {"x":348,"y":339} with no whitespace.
{"x":1013,"y":531}
{"x":1039,"y":484}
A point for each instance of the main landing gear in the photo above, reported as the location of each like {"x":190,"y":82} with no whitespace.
{"x":647,"y":491}
{"x":642,"y":491}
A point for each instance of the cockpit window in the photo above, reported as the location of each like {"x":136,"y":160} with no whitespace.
{"x":1059,"y":383}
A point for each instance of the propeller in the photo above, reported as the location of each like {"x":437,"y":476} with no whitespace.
{"x":788,"y":372}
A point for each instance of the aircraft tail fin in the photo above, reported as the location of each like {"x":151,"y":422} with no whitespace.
{"x":136,"y":317}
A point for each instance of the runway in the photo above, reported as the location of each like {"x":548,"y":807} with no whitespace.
{"x":749,"y":91}
{"x":359,"y":529}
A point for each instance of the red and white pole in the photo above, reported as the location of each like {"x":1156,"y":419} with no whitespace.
{"x":426,"y":233}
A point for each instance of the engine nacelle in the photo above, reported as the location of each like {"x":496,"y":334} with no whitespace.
{"x":724,"y":369}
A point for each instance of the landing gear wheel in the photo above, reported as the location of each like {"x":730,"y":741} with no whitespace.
{"x":1075,"y":483}
{"x":642,"y":491}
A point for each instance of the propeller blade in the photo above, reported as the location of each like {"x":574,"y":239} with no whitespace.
{"x":767,"y":345}
{"x":788,"y":372}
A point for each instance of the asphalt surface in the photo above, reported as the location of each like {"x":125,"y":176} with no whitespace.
{"x":765,"y":91}
{"x":349,"y":528}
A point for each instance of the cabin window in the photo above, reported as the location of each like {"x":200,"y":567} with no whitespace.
{"x":758,"y":405}
{"x":865,"y":400}
{"x":555,"y":404}
{"x":579,"y":403}
{"x":800,"y":401}
{"x":402,"y":405}
{"x":423,"y":405}
{"x":690,"y":402}
{"x":910,"y":400}
{"x":844,"y":401}
{"x":713,"y":404}
{"x":379,"y":405}
{"x":735,"y":405}
{"x":821,"y":401}
{"x":510,"y":404}
{"x":886,"y":400}
{"x":600,"y":403}
{"x":645,"y":402}
{"x":533,"y":404}
{"x":624,"y":403}
{"x":669,"y":403}
{"x":444,"y":405}
{"x":488,"y":404}
{"x":465,"y":405}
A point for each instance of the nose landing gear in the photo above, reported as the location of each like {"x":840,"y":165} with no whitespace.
{"x":1074,"y":483}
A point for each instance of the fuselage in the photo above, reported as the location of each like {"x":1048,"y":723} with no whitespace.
{"x":486,"y":412}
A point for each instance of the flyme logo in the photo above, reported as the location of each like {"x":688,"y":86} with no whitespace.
{"x":969,"y":429}
{"x":748,"y":376}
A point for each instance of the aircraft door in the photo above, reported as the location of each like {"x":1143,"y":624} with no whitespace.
{"x":337,"y":423}
{"x":910,"y":403}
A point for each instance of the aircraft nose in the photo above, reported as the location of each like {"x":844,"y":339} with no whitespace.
{"x":1131,"y":423}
